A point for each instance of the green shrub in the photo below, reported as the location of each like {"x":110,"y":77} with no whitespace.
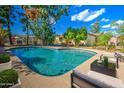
{"x":4,"y":58}
{"x":8,"y":78}
{"x":122,"y":50}
{"x":111,"y":66}
{"x":105,"y":62}
{"x":112,"y":47}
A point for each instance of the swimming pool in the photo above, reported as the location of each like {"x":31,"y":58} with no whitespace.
{"x":51,"y":62}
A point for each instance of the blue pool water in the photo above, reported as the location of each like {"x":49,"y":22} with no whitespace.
{"x":52,"y":62}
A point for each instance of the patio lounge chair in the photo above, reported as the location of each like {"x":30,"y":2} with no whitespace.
{"x":112,"y":58}
{"x":94,"y":80}
{"x":111,"y":55}
{"x":121,"y":56}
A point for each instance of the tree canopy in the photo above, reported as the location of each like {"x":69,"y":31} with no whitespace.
{"x":38,"y":18}
{"x":3,"y":35}
{"x":103,"y":39}
{"x":42,"y":25}
{"x":118,"y":27}
{"x":95,"y":27}
{"x":7,"y":16}
{"x":75,"y":34}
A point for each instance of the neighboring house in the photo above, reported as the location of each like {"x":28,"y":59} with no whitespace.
{"x":121,"y":40}
{"x":21,"y":40}
{"x":6,"y":42}
{"x":91,"y":38}
{"x":82,"y":43}
{"x":59,"y":39}
{"x":117,"y":41}
{"x":113,"y":41}
{"x":71,"y":43}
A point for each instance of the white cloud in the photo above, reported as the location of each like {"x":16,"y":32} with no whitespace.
{"x":87,"y":15}
{"x":114,"y":27}
{"x":109,"y":26}
{"x":120,"y":21}
{"x":105,"y":20}
{"x":95,"y":14}
{"x":106,"y":26}
{"x":81,"y":16}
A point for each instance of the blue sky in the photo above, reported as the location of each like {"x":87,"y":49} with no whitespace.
{"x":85,"y":15}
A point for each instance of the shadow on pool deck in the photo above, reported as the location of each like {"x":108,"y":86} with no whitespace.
{"x":20,"y":67}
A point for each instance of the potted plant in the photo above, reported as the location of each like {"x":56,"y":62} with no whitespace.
{"x":105,"y":67}
{"x":5,"y":62}
{"x":9,"y":79}
{"x":105,"y":62}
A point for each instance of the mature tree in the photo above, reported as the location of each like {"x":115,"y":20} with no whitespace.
{"x":103,"y":39}
{"x":119,"y":27}
{"x":75,"y":34}
{"x":121,"y":39}
{"x":80,"y":34}
{"x":83,"y":32}
{"x":69,"y":35}
{"x":26,"y":28}
{"x":121,"y":33}
{"x":7,"y":16}
{"x":25,"y":20}
{"x":42,"y":24}
{"x":96,"y":27}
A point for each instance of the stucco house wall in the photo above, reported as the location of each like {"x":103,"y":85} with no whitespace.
{"x":90,"y":40}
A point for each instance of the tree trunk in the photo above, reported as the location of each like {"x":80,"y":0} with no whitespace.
{"x":10,"y":35}
{"x":27,"y":41}
{"x":44,"y":42}
{"x":1,"y":42}
{"x":106,"y":47}
{"x":9,"y":24}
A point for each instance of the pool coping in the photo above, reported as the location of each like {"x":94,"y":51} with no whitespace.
{"x":49,"y":47}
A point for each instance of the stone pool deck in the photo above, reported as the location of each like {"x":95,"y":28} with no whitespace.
{"x":31,"y":79}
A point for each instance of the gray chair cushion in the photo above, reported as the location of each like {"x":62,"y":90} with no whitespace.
{"x":89,"y":77}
